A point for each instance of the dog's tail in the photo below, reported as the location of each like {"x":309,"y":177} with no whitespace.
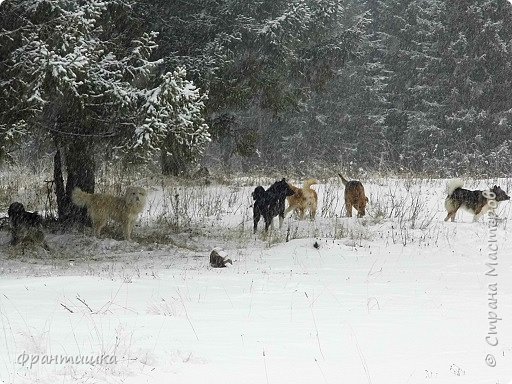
{"x":308,"y":183}
{"x":453,"y":185}
{"x":80,"y":198}
{"x":343,"y":180}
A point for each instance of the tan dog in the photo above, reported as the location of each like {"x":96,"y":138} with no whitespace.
{"x":101,"y":207}
{"x":303,"y":199}
{"x":354,"y":196}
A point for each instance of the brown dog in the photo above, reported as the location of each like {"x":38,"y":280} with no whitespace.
{"x":354,"y":196}
{"x":303,"y":199}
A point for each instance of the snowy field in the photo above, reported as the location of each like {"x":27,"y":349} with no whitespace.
{"x":399,"y":296}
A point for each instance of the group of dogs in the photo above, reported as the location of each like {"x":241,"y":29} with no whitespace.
{"x":26,"y":227}
{"x":268,"y":204}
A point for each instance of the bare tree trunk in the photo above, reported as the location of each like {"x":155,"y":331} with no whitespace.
{"x":60,"y":191}
{"x":80,"y":168}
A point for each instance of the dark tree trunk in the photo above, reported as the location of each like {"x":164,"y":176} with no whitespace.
{"x":175,"y":159}
{"x":80,"y":169}
{"x":60,"y":191}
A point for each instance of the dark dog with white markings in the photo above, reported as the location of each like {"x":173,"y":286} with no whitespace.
{"x":217,"y":261}
{"x":477,"y":202}
{"x":270,"y":203}
{"x":25,"y":226}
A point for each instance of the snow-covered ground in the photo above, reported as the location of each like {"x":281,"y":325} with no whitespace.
{"x":399,"y":296}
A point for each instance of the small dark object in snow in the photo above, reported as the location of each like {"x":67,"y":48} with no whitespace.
{"x":316,"y":245}
{"x":217,"y":261}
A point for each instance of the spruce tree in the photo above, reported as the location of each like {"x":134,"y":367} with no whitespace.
{"x":69,"y":76}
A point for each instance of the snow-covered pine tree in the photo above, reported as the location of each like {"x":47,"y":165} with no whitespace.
{"x":342,"y":122}
{"x":258,"y":60}
{"x":479,"y":106}
{"x":423,"y":93}
{"x":293,"y":51}
{"x":69,"y":76}
{"x":449,"y":81}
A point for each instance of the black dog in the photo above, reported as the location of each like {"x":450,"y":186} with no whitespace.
{"x":24,"y":225}
{"x":270,"y":203}
{"x":474,"y":201}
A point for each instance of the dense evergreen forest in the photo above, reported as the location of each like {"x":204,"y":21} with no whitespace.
{"x":421,"y":86}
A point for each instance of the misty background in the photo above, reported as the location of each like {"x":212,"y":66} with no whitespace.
{"x":420,"y":86}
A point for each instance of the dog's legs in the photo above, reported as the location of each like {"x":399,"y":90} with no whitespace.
{"x":451,"y":215}
{"x":290,"y":208}
{"x":269,"y":222}
{"x":348,"y":206}
{"x":360,"y":210}
{"x":256,"y":219}
{"x":127,"y":229}
{"x":281,"y":219}
{"x":98,"y":225}
{"x":14,"y":236}
{"x":452,"y":211}
{"x":452,"y":206}
{"x":481,"y":212}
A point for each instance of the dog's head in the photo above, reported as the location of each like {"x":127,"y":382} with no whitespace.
{"x":294,"y":189}
{"x":258,"y":193}
{"x":501,"y":195}
{"x":298,"y":194}
{"x":135,"y":198}
{"x":15,"y":210}
{"x":281,"y":188}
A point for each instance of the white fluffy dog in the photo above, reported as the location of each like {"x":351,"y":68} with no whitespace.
{"x":101,"y":207}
